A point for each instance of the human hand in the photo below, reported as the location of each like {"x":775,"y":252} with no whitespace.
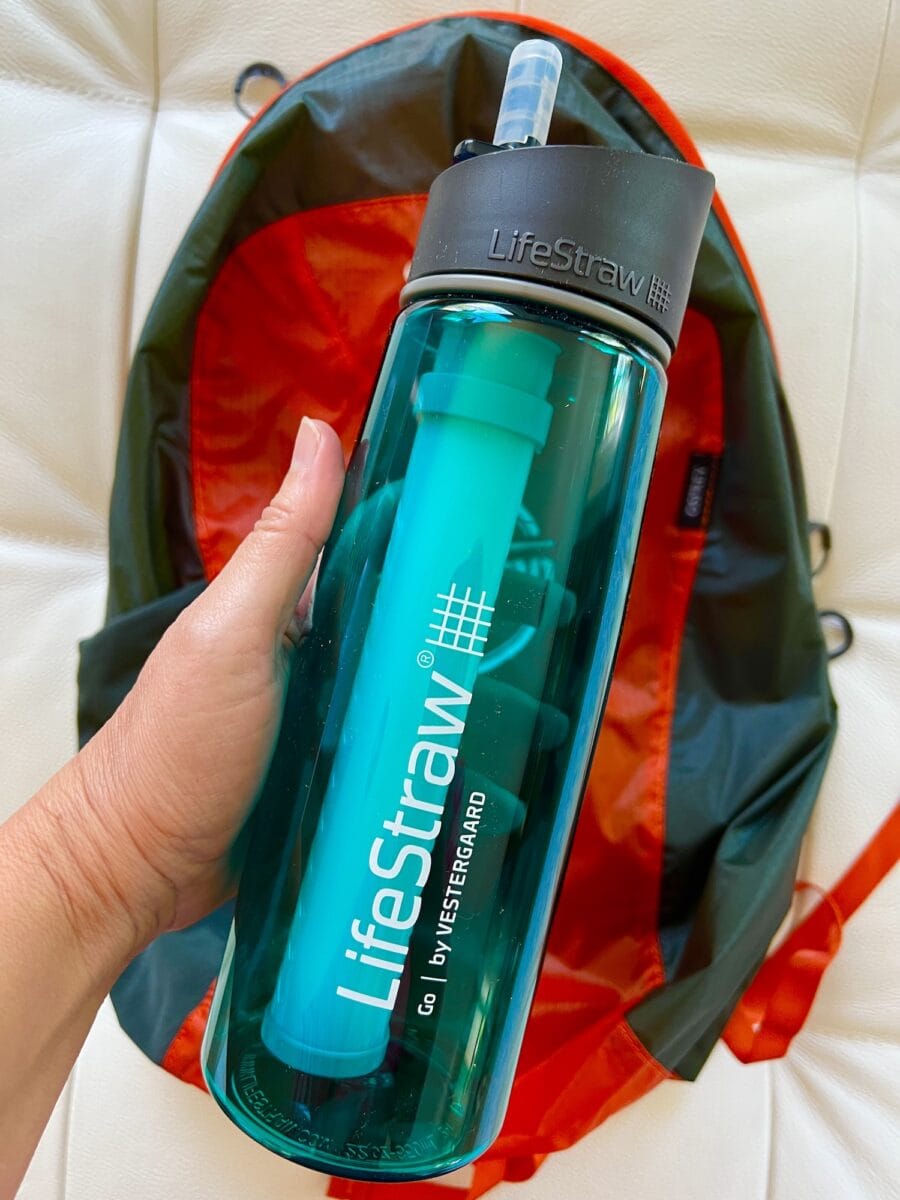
{"x":165,"y":786}
{"x":132,"y":837}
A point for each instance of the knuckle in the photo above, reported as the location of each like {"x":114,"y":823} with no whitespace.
{"x":300,"y":532}
{"x":274,"y":518}
{"x":196,"y":634}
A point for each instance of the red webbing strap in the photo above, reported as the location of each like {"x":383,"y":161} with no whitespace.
{"x":775,"y":1005}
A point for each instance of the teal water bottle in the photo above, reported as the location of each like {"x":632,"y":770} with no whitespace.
{"x":440,"y":718}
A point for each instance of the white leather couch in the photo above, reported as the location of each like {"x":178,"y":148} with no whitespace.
{"x":113,"y":116}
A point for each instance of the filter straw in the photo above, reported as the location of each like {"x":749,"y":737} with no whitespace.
{"x":529,"y":94}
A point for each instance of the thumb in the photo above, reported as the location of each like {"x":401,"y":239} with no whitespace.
{"x":266,"y":575}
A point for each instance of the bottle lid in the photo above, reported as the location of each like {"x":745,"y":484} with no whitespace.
{"x":618,"y":226}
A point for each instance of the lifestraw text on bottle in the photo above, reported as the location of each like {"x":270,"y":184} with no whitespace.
{"x":565,"y":255}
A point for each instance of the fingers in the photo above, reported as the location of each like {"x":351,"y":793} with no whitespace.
{"x":268,"y":572}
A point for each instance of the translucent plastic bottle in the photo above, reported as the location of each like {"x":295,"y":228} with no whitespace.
{"x":440,"y":718}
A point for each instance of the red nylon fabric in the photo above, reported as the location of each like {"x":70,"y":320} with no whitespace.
{"x":183,"y":1055}
{"x":293,"y":325}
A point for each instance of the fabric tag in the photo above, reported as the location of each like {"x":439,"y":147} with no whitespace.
{"x":699,"y":489}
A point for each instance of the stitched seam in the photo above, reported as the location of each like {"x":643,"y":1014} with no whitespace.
{"x":852,"y":354}
{"x":837,"y":1032}
{"x":788,"y":157}
{"x":770,"y":1131}
{"x":799,"y":160}
{"x":31,"y":454}
{"x":128,"y":99}
{"x":876,"y":80}
{"x":856,"y":288}
{"x":875,"y":612}
{"x":70,"y":545}
{"x":130,"y":284}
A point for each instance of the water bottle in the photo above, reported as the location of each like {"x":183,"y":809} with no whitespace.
{"x":440,"y":719}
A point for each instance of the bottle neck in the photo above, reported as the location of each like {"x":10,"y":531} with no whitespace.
{"x":503,"y":287}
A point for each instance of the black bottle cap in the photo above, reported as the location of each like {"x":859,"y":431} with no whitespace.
{"x":619,"y":226}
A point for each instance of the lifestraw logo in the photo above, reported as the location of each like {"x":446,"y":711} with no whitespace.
{"x":568,"y":257}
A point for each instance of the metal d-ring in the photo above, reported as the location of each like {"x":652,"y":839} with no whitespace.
{"x":821,"y":533}
{"x":257,"y":70}
{"x":830,"y":616}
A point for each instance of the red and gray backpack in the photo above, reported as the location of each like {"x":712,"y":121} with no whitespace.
{"x":720,"y":718}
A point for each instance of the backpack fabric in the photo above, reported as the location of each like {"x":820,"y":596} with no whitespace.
{"x":719,"y":720}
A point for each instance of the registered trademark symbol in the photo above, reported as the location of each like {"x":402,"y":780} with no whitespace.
{"x":425,"y":658}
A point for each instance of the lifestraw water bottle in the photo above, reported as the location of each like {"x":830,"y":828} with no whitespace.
{"x":411,"y":835}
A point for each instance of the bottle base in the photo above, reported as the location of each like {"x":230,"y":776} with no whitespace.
{"x":411,"y":1165}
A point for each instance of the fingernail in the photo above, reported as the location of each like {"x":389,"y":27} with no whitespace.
{"x":306,"y":447}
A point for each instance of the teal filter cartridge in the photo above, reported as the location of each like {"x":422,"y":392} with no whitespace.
{"x":482,"y":415}
{"x":411,"y":833}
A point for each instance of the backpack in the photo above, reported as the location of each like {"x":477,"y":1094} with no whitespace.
{"x":720,"y":718}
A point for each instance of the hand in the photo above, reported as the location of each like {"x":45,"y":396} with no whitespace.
{"x":131,"y":838}
{"x":165,"y":786}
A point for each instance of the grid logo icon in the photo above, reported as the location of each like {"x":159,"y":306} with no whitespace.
{"x":464,"y":622}
{"x":659,"y":294}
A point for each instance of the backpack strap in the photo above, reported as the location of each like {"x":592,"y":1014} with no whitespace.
{"x":774,"y":1007}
